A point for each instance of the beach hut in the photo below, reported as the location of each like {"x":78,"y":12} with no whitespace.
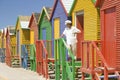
{"x":2,"y":50}
{"x":45,"y":28}
{"x":11,"y":46}
{"x":110,"y":16}
{"x":33,"y":25}
{"x":23,"y":40}
{"x":59,"y":14}
{"x":11,"y":30}
{"x":4,"y":42}
{"x":8,"y":52}
{"x":44,"y":34}
{"x":85,"y":16}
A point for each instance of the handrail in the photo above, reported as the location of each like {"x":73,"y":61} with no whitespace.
{"x":60,"y":53}
{"x":44,"y":48}
{"x":32,"y":57}
{"x":8,"y":56}
{"x":32,"y":50}
{"x":89,"y":50}
{"x":45,"y":73}
{"x":100,"y":54}
{"x":71,"y":55}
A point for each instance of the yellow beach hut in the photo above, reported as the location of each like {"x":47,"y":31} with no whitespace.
{"x":85,"y":16}
{"x":22,"y":37}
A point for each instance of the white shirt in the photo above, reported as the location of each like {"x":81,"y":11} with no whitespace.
{"x":70,"y":36}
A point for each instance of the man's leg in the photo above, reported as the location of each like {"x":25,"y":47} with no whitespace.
{"x":74,"y":49}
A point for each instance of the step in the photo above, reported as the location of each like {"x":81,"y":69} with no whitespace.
{"x":52,"y":76}
{"x":109,"y":76}
{"x":80,"y":78}
{"x":78,"y":73}
{"x":51,"y":72}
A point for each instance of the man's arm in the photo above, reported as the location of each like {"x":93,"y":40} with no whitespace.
{"x":61,"y":35}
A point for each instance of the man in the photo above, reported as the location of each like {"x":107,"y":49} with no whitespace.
{"x":70,"y":33}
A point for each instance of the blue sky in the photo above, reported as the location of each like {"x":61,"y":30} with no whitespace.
{"x":11,"y":9}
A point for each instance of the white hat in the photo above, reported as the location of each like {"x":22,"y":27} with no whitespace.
{"x":67,"y":22}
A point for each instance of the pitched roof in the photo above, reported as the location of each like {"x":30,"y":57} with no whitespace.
{"x":11,"y":30}
{"x":4,"y":32}
{"x":24,"y":21}
{"x":24,"y":18}
{"x":37,"y":15}
{"x":66,"y":4}
{"x":72,"y":7}
{"x":48,"y":12}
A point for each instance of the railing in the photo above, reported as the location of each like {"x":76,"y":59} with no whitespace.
{"x":13,"y":50}
{"x":33,"y":57}
{"x":68,"y":71}
{"x":92,"y":58}
{"x":39,"y":58}
{"x":42,"y":58}
{"x":8,"y":55}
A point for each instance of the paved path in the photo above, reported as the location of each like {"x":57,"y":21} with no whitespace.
{"x":7,"y":73}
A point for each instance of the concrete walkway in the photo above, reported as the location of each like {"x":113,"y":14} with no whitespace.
{"x":7,"y":73}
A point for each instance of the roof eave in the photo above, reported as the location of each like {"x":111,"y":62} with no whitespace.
{"x":70,"y":12}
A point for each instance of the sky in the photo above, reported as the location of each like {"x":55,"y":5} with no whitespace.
{"x":11,"y":9}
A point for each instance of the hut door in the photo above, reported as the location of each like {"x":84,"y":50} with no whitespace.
{"x":109,"y":36}
{"x":32,"y":39}
{"x":18,"y":42}
{"x":56,"y":28}
{"x":80,"y":37}
{"x":44,"y":34}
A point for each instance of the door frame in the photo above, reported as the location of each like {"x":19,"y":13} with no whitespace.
{"x":103,"y":30}
{"x":54,"y":26}
{"x":79,"y":13}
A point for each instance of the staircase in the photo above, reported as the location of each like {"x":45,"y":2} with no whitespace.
{"x":28,"y":60}
{"x":112,"y":74}
{"x":25,"y":56}
{"x":2,"y":55}
{"x":15,"y":62}
{"x":95,"y":64}
{"x":78,"y":73}
{"x":66,"y":69}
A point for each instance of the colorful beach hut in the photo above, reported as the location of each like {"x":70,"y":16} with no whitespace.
{"x":45,"y":28}
{"x":110,"y":16}
{"x":33,"y":25}
{"x":4,"y":41}
{"x":23,"y":40}
{"x":86,"y":18}
{"x":10,"y":44}
{"x":59,"y":14}
{"x":2,"y":50}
